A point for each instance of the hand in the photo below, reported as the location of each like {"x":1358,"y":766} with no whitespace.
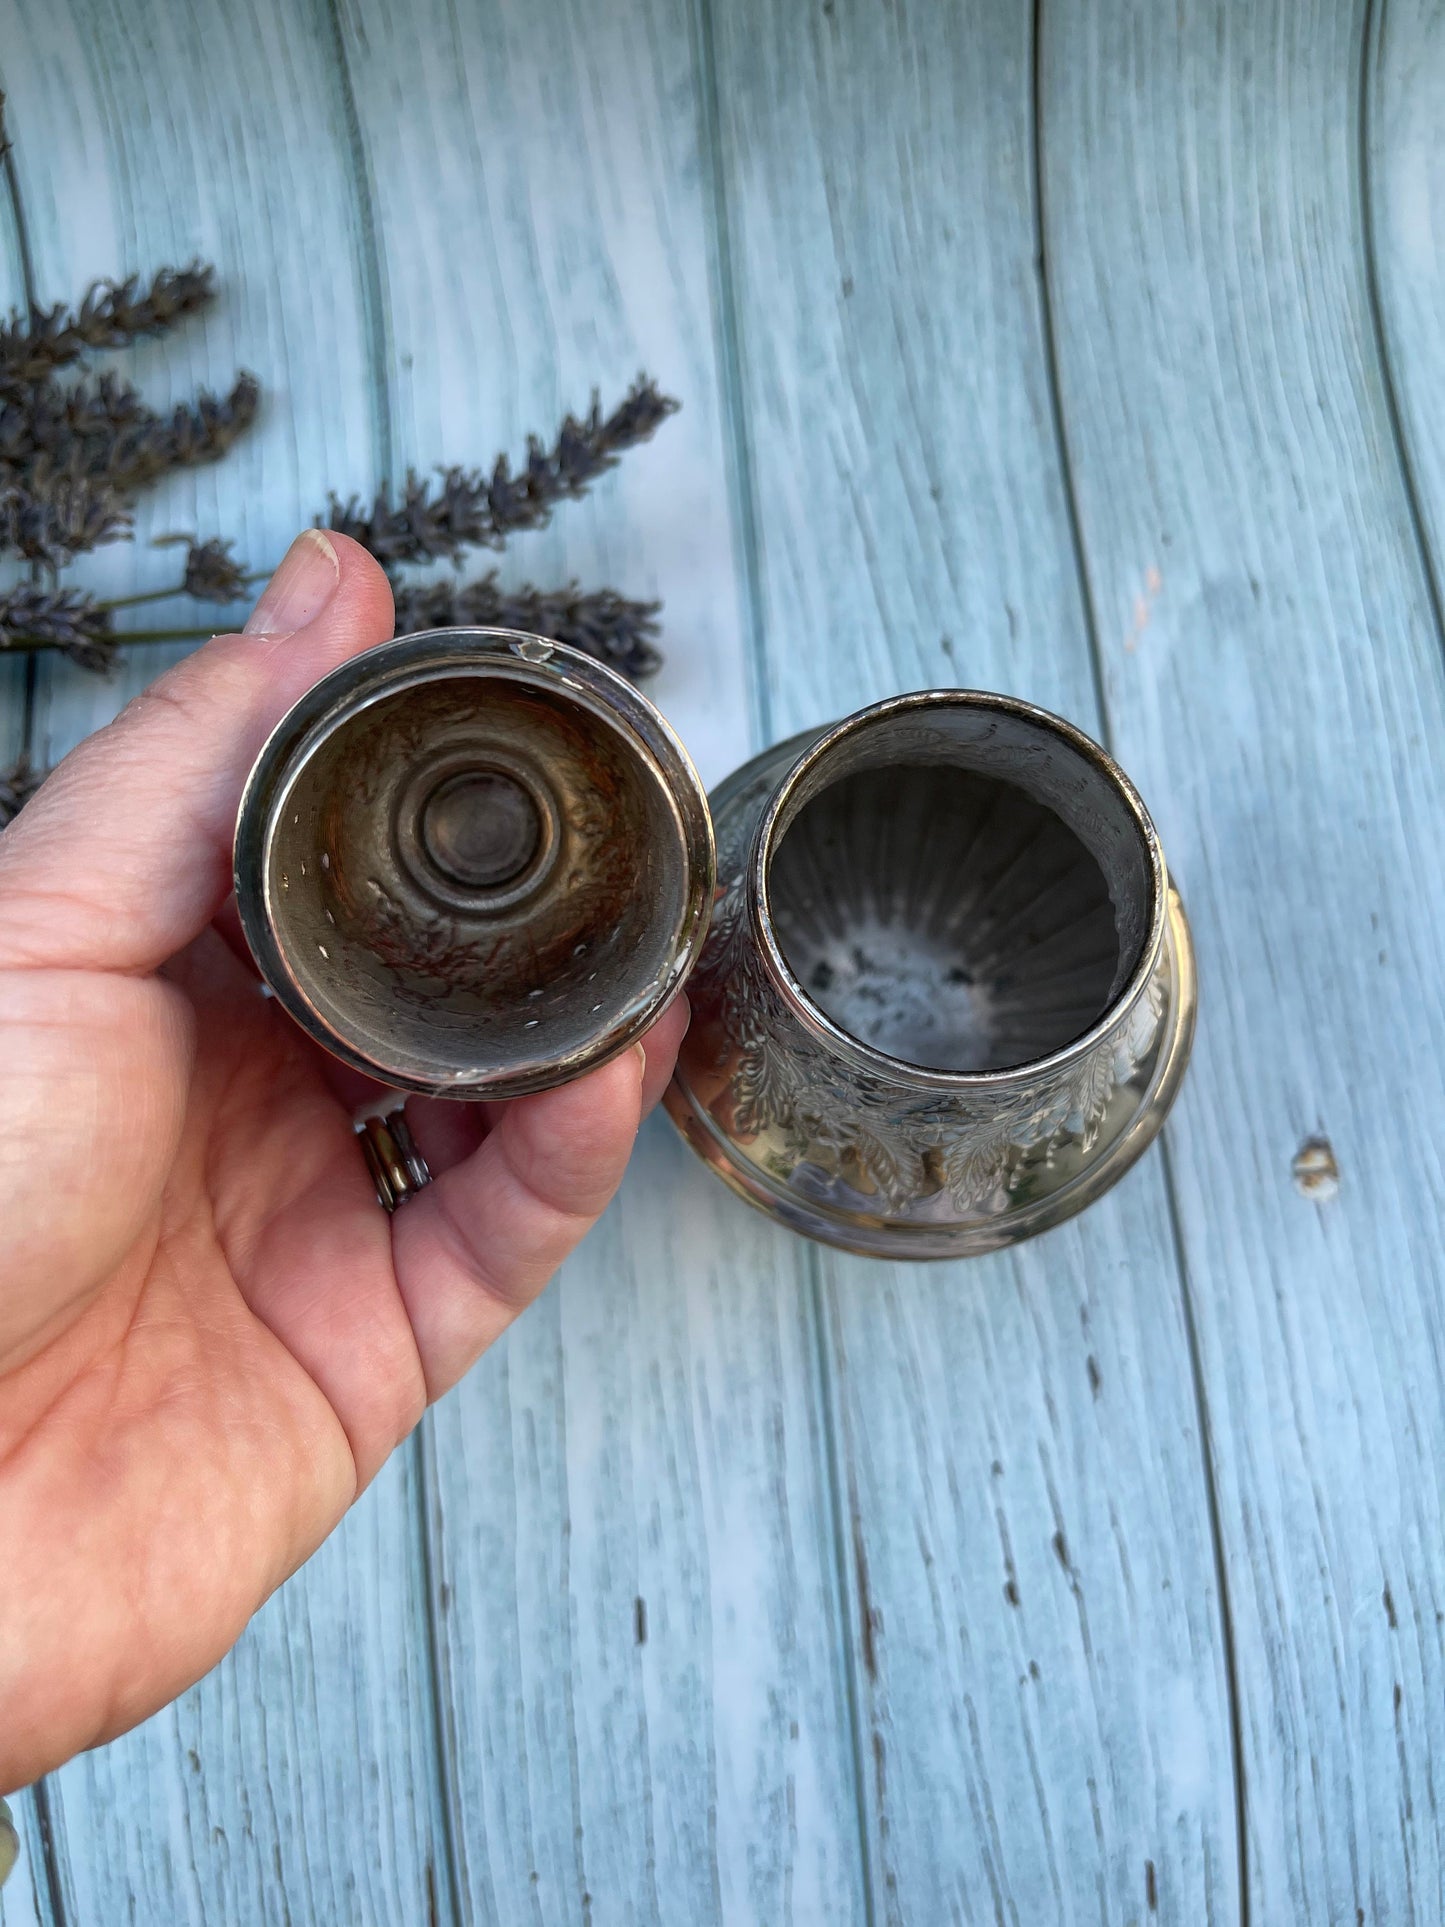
{"x":211,"y":1335}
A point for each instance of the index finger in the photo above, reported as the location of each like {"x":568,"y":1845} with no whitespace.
{"x":477,"y":1245}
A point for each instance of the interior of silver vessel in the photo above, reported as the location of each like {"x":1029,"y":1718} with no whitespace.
{"x":478,"y":873}
{"x":961,"y":888}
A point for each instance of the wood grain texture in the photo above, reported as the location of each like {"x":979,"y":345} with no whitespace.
{"x":159,"y":133}
{"x":1404,"y":108}
{"x":769,"y":1586}
{"x":25,"y":1899}
{"x":539,"y":223}
{"x":639,"y":1620}
{"x":1038,"y":1668}
{"x":636,"y":1594}
{"x":1274,"y":679}
{"x":13,"y":295}
{"x":299,"y":1781}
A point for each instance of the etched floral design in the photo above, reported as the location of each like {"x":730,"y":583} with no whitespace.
{"x":792,"y":1097}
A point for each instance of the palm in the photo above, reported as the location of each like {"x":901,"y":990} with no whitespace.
{"x":210,"y":1335}
{"x":168,"y":1448}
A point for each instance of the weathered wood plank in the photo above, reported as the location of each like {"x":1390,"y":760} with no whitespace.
{"x":539,"y":232}
{"x":162,"y":133}
{"x":1038,"y":1662}
{"x":299,"y":1781}
{"x":13,"y":295}
{"x":1404,"y":103}
{"x":25,"y":1897}
{"x":636,"y":1587}
{"x":640,"y":1657}
{"x":24,"y":1901}
{"x":1274,"y":677}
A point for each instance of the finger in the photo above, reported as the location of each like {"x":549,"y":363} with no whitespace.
{"x":480,"y":1242}
{"x":447,"y":1130}
{"x":228,"y":927}
{"x":123,"y":854}
{"x":660,"y":1046}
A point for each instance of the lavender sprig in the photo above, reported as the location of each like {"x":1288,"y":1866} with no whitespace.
{"x":74,"y":455}
{"x":200,"y":431}
{"x":104,"y":430}
{"x":601,"y":624}
{"x":61,"y":423}
{"x":53,"y":517}
{"x":111,"y":315}
{"x":466,"y":508}
{"x":32,"y":617}
{"x":212,"y":573}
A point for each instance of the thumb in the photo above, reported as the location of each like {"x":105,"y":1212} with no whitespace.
{"x":123,"y":854}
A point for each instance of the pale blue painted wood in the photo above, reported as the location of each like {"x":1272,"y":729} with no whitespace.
{"x":12,"y":296}
{"x":299,"y":1781}
{"x":24,"y":1901}
{"x":1274,"y":677}
{"x":669,"y":1425}
{"x":25,"y":1897}
{"x":540,"y":230}
{"x":639,"y":1627}
{"x":1405,"y":102}
{"x":641,"y":1664}
{"x":1035,"y":1626}
{"x":158,"y":133}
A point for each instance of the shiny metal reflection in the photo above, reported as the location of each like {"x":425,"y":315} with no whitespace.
{"x":949,"y":995}
{"x":474,"y":863}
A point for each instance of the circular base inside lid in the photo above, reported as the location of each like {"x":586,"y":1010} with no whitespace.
{"x":473,"y":863}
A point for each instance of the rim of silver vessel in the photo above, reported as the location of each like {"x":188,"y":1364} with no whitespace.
{"x":416,"y":658}
{"x":899,"y":1068}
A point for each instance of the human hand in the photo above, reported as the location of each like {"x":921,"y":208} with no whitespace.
{"x":211,"y":1335}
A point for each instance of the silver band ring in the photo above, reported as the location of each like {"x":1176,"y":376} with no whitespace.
{"x":397,"y":1167}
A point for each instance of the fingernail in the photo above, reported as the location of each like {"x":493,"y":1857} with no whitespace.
{"x":641,"y":1057}
{"x":300,"y":589}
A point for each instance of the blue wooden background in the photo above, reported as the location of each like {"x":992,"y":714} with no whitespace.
{"x":1093,"y":353}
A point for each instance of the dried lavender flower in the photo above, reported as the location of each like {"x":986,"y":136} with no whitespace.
{"x":53,"y":517}
{"x":468,"y":509}
{"x":32,"y":617}
{"x":68,"y":425}
{"x":17,"y":785}
{"x":207,"y":428}
{"x":111,"y":315}
{"x":74,"y":455}
{"x":602,"y":623}
{"x":213,"y":574}
{"x":103,"y":429}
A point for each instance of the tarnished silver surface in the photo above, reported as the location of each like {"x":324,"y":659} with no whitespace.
{"x":474,"y":863}
{"x":948,"y":995}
